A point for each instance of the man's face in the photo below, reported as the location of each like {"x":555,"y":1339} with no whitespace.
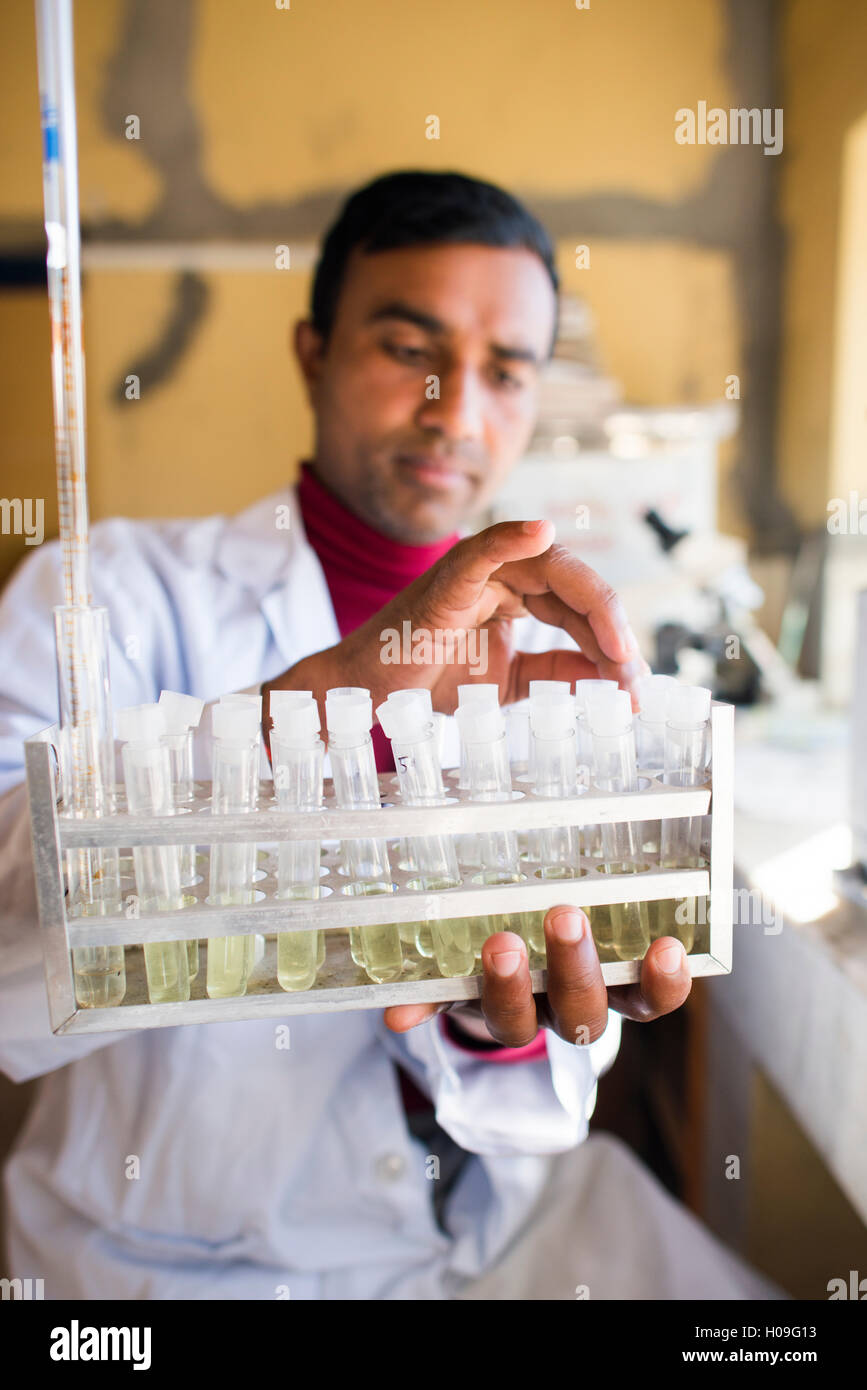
{"x":425,"y":394}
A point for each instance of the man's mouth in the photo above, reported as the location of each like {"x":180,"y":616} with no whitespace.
{"x":433,"y":472}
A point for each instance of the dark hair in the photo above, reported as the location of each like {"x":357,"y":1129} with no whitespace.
{"x":417,"y":208}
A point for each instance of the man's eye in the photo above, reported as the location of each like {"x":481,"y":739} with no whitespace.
{"x":508,"y":380}
{"x":403,"y":352}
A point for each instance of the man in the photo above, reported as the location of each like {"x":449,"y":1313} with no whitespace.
{"x":433,"y":309}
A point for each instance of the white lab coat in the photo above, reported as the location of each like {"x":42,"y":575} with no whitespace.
{"x":262,"y":1172}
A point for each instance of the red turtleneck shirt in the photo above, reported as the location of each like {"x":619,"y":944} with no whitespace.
{"x":363,"y":569}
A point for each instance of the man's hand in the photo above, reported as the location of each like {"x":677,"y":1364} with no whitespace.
{"x":577,"y":1002}
{"x":485,"y":582}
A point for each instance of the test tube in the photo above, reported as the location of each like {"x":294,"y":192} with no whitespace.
{"x":356,"y":947}
{"x":483,"y":734}
{"x":87,"y":786}
{"x":405,"y":846}
{"x":686,"y":765}
{"x":610,"y":719}
{"x":653,"y":693}
{"x":483,"y":693}
{"x":417,"y":934}
{"x":407,"y":723}
{"x":349,"y":715}
{"x":291,"y":698}
{"x":234,"y":790}
{"x":297,"y":754}
{"x":148,"y":778}
{"x":249,"y":702}
{"x":182,"y":714}
{"x":552,"y":723}
{"x":586,"y":692}
{"x":539,"y":691}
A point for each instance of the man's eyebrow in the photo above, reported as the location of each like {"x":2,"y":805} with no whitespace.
{"x":515,"y":354}
{"x":398,"y":309}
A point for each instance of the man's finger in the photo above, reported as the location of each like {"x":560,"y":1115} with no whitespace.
{"x":577,"y":998}
{"x":401,"y":1017}
{"x":466,"y":569}
{"x":551,"y":609}
{"x":582,"y":590}
{"x":507,"y":995}
{"x":664,"y":985}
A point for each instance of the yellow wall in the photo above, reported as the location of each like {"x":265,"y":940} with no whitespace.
{"x":548,"y":99}
{"x":824,"y":65}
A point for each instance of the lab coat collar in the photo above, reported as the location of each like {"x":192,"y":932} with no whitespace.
{"x":266,"y":549}
{"x":256,"y":545}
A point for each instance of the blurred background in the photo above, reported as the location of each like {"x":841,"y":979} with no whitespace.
{"x":702,"y":420}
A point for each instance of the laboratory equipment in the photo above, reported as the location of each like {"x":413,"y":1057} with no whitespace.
{"x":653,"y":693}
{"x":405,"y":847}
{"x":234,"y":791}
{"x":337,"y":985}
{"x":148,"y":779}
{"x":182,"y":714}
{"x":585,"y":692}
{"x":483,"y":737}
{"x":553,"y":736}
{"x":297,"y":755}
{"x":615,"y":770}
{"x":85,"y":741}
{"x":253,"y":702}
{"x":686,"y":765}
{"x":483,"y":693}
{"x":349,"y":715}
{"x":539,"y":690}
{"x":407,"y":723}
{"x":86,"y":761}
{"x":417,"y":935}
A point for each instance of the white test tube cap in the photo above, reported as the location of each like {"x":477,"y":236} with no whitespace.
{"x":296,"y":721}
{"x":243,"y":702}
{"x":547,"y":690}
{"x":552,"y":714}
{"x":140,"y":723}
{"x":414,"y":692}
{"x":403,"y":717}
{"x":611,"y":715}
{"x":288,"y":697}
{"x":348,"y":711}
{"x":181,"y":712}
{"x":235,"y":723}
{"x":588,"y":690}
{"x":479,"y":692}
{"x":653,"y":693}
{"x":689,"y":706}
{"x":480,"y":722}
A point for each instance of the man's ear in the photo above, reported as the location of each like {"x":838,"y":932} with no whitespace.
{"x":309,"y":351}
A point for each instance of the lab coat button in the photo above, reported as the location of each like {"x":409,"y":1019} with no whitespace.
{"x":390,"y":1167}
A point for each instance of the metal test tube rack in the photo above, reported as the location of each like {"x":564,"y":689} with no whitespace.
{"x":341,"y":984}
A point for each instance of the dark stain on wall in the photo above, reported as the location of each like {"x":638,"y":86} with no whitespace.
{"x":189,"y":308}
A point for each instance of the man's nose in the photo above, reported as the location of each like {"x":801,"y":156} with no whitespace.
{"x":455,"y":406}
